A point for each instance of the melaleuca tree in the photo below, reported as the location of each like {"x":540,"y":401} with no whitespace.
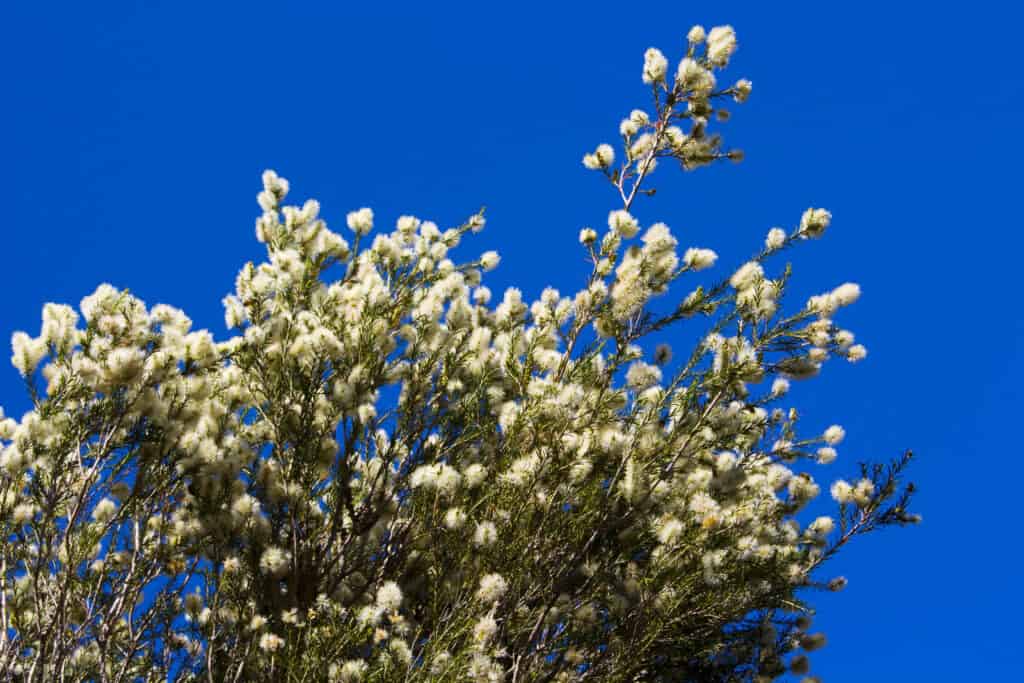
{"x":384,"y":477}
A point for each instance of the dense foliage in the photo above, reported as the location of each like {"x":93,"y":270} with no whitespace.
{"x":384,"y":477}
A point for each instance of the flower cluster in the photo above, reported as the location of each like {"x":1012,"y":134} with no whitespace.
{"x":383,"y":476}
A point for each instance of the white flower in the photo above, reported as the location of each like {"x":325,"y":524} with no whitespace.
{"x":361,"y":221}
{"x":655,"y":66}
{"x":844,"y":338}
{"x":23,"y":513}
{"x":780,"y":386}
{"x":721,"y":44}
{"x":274,"y":561}
{"x":489,"y":260}
{"x":492,"y":587}
{"x":104,"y":511}
{"x":454,"y":518}
{"x":484,"y":630}
{"x":588,"y":236}
{"x":623,"y":223}
{"x":642,"y":145}
{"x":863,"y":491}
{"x":669,"y":531}
{"x":270,"y":642}
{"x":856,"y":352}
{"x":389,"y":596}
{"x":641,"y":375}
{"x":353,"y":670}
{"x":476,"y":223}
{"x":605,"y":155}
{"x":424,"y":476}
{"x":475,"y":475}
{"x":814,"y":222}
{"x":834,"y":434}
{"x":692,"y":76}
{"x":822,"y":526}
{"x":775,"y":239}
{"x":845,"y":294}
{"x":27,"y":352}
{"x":842,"y":492}
{"x":746,"y":275}
{"x":699,"y":259}
{"x":486,"y":533}
{"x":448,"y":479}
{"x":742,"y":89}
{"x":696,"y":34}
{"x":826,"y":455}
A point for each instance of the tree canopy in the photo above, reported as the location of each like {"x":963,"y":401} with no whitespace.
{"x":385,"y":475}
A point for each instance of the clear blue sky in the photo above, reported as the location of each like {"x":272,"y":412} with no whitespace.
{"x":134,"y":134}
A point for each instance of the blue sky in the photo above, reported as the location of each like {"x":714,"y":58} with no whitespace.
{"x":134,"y":135}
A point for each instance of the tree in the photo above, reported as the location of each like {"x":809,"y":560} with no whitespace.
{"x":383,"y":477}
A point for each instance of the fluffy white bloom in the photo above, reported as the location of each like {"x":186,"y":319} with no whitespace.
{"x":424,"y":476}
{"x":780,"y":386}
{"x":826,"y":455}
{"x":844,"y":338}
{"x":669,"y":530}
{"x":814,"y":222}
{"x":602,"y":157}
{"x":489,"y":260}
{"x":454,"y":518}
{"x":475,"y":475}
{"x":856,"y":352}
{"x":822,"y":526}
{"x":23,"y":513}
{"x":353,"y":670}
{"x":641,"y":146}
{"x":588,"y":236}
{"x":389,"y":596}
{"x":834,"y":434}
{"x":361,"y":221}
{"x":842,"y":492}
{"x":270,"y":642}
{"x":642,"y":375}
{"x":721,"y":43}
{"x":845,"y":294}
{"x":692,"y":76}
{"x":492,"y":587}
{"x":655,"y":66}
{"x":448,"y":479}
{"x":485,"y":534}
{"x":274,"y":561}
{"x":696,"y":35}
{"x":747,"y":275}
{"x":863,"y":491}
{"x":623,"y":223}
{"x":775,"y":239}
{"x":742,"y":90}
{"x":27,"y":352}
{"x":104,"y":510}
{"x":484,"y":630}
{"x":699,"y":259}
